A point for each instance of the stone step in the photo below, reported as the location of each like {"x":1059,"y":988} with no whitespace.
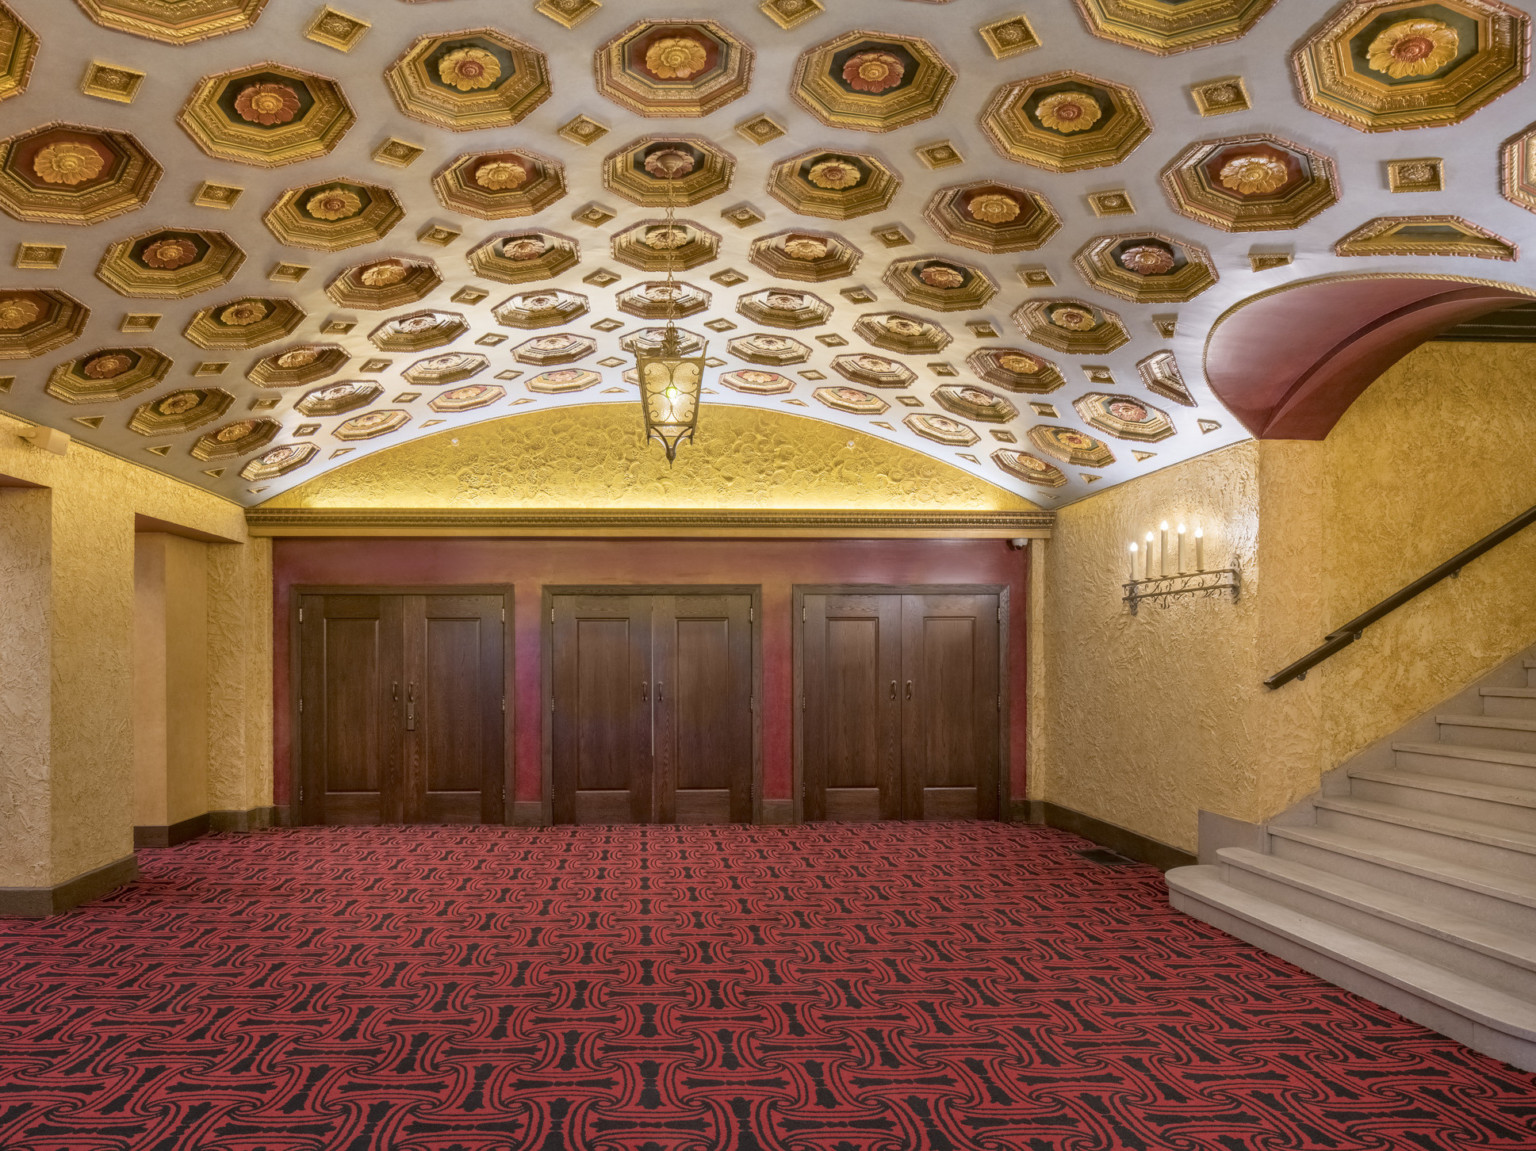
{"x":1516,"y":702}
{"x":1488,"y":731}
{"x":1511,"y":807}
{"x":1459,"y":841}
{"x":1493,"y":896}
{"x":1483,"y":951}
{"x":1481,"y":764}
{"x":1492,"y":1021}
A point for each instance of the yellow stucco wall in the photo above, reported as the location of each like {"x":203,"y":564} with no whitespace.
{"x":1151,"y":719}
{"x":93,"y":498}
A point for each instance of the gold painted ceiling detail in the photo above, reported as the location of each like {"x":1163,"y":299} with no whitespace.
{"x":348,"y":232}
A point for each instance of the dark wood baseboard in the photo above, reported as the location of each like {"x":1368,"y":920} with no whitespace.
{"x":39,"y":902}
{"x":1128,"y":843}
{"x":256,"y":819}
{"x":778,"y":812}
{"x":173,"y":834}
{"x":527,"y":813}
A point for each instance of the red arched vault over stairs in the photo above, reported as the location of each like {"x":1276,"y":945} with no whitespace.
{"x":1289,"y":362}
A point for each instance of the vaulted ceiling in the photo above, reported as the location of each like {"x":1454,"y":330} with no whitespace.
{"x":254,"y":240}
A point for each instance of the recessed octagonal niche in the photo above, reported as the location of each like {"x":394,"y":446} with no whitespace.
{"x":500,"y":185}
{"x":36,"y":321}
{"x":900,"y":332}
{"x":806,"y":256}
{"x":769,"y":348}
{"x":169,"y":264}
{"x":418,"y":331}
{"x":1016,"y":370}
{"x":467,"y":398}
{"x":558,"y":348}
{"x":107,"y":374}
{"x":688,"y":169}
{"x":1250,"y":183}
{"x":562,"y":381}
{"x":674,"y":68}
{"x":180,"y":411}
{"x":854,"y":401}
{"x":1074,"y":326}
{"x":992,"y":217}
{"x":872,"y":81}
{"x":941,"y":284}
{"x":659,"y":300}
{"x":278,"y":461}
{"x":522,"y":257}
{"x":445,"y":368}
{"x":371,"y":425}
{"x":67,"y":174}
{"x":1124,"y":417}
{"x":976,"y":403}
{"x":237,"y":439}
{"x":655,"y":245}
{"x":1065,"y":121}
{"x":480,"y":78}
{"x":247,"y":322}
{"x":1071,"y":446}
{"x":1167,"y":26}
{"x":941,"y":429}
{"x":876,"y":371}
{"x":545,"y":308}
{"x":784,"y":308}
{"x":335,"y":399}
{"x":266,"y":114}
{"x":1030,"y":469}
{"x":296,"y":366}
{"x":174,"y":23}
{"x":754,"y":382}
{"x":334,"y":215}
{"x":18,"y":48}
{"x":1378,"y":65}
{"x":833,"y":185}
{"x":387,"y":283}
{"x":1146,"y":267}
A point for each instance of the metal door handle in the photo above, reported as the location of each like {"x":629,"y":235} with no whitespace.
{"x":395,"y":690}
{"x":893,"y":689}
{"x":909,"y":689}
{"x":410,"y":692}
{"x":658,"y":691}
{"x":645,"y":691}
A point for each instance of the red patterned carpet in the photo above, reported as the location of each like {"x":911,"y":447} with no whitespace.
{"x":900,"y":987}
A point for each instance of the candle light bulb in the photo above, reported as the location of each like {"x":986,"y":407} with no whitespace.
{"x":1162,"y":527}
{"x":1147,"y":558}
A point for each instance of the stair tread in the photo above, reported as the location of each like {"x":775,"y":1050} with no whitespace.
{"x":1446,"y":785}
{"x":1477,"y":934}
{"x":1471,"y":751}
{"x":1487,"y":833}
{"x":1497,"y":1010}
{"x":1509,"y":692}
{"x":1494,"y":883}
{"x":1501,"y":722}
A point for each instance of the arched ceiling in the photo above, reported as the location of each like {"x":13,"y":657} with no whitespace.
{"x":258,"y":239}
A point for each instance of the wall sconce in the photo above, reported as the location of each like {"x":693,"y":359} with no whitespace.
{"x":1156,"y":582}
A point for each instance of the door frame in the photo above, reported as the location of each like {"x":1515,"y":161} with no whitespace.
{"x":296,"y":765}
{"x":547,"y":670}
{"x":797,"y":647}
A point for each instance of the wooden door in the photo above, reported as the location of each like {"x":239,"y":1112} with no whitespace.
{"x":349,"y":719}
{"x":651,"y":699}
{"x":852,"y":712}
{"x":703,"y":708}
{"x":455,"y":703}
{"x":951,"y":706}
{"x":901,"y":705}
{"x":601,"y":724}
{"x":401,"y":708}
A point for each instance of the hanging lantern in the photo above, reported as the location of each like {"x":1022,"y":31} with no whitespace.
{"x":670,"y":385}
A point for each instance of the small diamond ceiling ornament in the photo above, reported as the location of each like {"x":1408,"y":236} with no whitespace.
{"x":667,"y":68}
{"x":266,"y":114}
{"x":479,"y":78}
{"x":174,"y":22}
{"x":1065,"y":121}
{"x":1250,"y":183}
{"x":1378,"y":65}
{"x":1167,"y":26}
{"x":872,"y":81}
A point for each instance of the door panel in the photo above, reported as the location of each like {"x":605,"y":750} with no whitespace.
{"x":950,"y":722}
{"x":601,"y":729}
{"x":852,"y":713}
{"x":456,"y":761}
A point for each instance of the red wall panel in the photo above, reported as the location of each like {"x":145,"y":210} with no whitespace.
{"x":775,"y":565}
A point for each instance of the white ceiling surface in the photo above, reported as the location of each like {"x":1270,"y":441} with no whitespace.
{"x":69,"y":41}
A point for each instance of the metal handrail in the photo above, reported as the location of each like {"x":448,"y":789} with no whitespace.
{"x":1340,"y":638}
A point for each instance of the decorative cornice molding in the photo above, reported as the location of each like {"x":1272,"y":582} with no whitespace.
{"x":658,"y":522}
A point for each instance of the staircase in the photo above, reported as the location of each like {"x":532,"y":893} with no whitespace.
{"x":1411,"y":879}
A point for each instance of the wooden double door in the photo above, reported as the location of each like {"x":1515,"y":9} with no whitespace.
{"x":651,"y":706}
{"x":401,"y":707}
{"x":902,"y":704}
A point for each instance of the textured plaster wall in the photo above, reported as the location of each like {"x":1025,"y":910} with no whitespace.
{"x":149,"y":681}
{"x":26,"y":626}
{"x":87,"y":787}
{"x":240,"y":676}
{"x":1151,"y":719}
